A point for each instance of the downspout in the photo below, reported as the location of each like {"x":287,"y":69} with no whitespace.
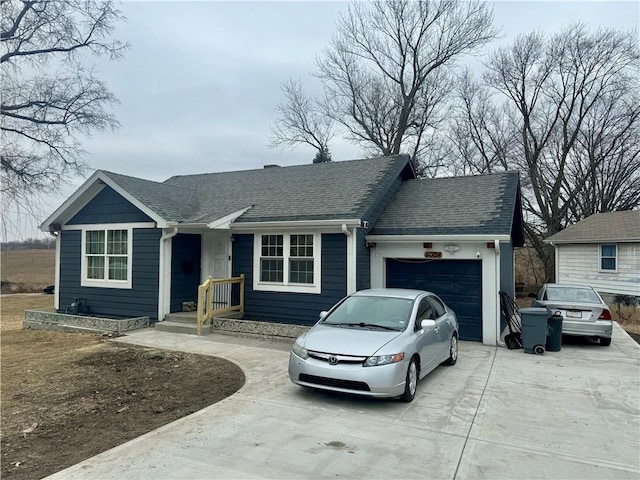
{"x":166,"y":235}
{"x":556,"y":258}
{"x":351,"y":259}
{"x":164,"y":295}
{"x":56,"y":279}
{"x":496,"y":245}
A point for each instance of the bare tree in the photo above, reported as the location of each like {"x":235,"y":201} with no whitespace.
{"x":300,"y":121}
{"x":480,"y":131}
{"x":49,"y":99}
{"x":386,"y":74}
{"x":571,"y":104}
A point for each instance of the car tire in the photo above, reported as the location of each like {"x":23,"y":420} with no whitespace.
{"x":453,"y":351}
{"x":411,"y":383}
{"x":605,"y":342}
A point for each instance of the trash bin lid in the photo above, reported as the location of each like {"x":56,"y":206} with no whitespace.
{"x":535,"y":311}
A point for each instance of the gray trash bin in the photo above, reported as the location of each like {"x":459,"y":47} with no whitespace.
{"x":534,"y":329}
{"x":554,"y":334}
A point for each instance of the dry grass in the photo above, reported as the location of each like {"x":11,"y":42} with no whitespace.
{"x":68,"y":396}
{"x":27,"y":270}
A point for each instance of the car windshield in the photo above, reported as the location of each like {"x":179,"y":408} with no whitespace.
{"x":383,"y":312}
{"x":571,"y":294}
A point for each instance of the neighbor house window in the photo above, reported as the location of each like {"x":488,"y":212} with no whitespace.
{"x":287,"y":262}
{"x":609,"y":257}
{"x":106,"y":258}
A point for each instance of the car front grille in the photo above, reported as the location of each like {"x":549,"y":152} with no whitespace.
{"x":327,"y":357}
{"x":334,"y":382}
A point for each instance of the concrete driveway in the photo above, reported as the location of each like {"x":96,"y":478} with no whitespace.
{"x":497,"y":414}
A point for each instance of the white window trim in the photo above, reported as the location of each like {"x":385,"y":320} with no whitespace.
{"x":92,"y":282}
{"x":316,"y":287}
{"x":600,"y":257}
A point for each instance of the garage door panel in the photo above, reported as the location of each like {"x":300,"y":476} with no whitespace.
{"x":457,"y":282}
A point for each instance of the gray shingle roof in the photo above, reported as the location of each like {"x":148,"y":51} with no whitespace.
{"x":602,"y":227}
{"x":474,"y":205}
{"x":169,"y":202}
{"x":336,"y":190}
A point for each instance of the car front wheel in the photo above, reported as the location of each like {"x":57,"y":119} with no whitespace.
{"x":605,"y":342}
{"x":411,"y":382}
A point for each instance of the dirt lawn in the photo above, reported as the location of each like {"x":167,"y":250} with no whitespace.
{"x":69,"y":396}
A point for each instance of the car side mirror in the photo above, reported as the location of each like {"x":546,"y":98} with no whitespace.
{"x":323,"y":314}
{"x":427,"y":324}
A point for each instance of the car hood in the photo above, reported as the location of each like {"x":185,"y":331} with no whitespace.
{"x":355,"y":341}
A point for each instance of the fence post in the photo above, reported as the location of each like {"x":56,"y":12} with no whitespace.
{"x":242,"y":293}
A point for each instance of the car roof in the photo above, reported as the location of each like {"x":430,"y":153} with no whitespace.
{"x":567,"y":285}
{"x":406,"y":293}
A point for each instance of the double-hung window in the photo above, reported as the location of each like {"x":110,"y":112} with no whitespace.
{"x":106,"y":258}
{"x":609,"y":257}
{"x":287,"y":262}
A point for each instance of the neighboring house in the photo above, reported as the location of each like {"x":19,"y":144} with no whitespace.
{"x":603,"y":251}
{"x":303,"y":236}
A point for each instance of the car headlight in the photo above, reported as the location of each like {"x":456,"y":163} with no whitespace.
{"x":300,"y":351}
{"x":383,"y":360}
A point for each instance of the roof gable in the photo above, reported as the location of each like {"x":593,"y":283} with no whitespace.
{"x":621,"y":226}
{"x":472,"y":205}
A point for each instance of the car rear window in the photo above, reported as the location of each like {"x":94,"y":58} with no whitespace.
{"x":569,"y":294}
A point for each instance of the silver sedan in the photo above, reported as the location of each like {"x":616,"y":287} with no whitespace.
{"x":583,"y":311}
{"x":376,"y":343}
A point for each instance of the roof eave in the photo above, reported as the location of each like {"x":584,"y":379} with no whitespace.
{"x":293,"y":224}
{"x":551,"y":241}
{"x":438,"y":238}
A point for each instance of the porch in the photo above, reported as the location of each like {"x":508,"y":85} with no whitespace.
{"x":220,"y":309}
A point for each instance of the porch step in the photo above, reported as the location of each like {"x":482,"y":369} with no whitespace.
{"x":181,"y":317}
{"x":180,"y":327}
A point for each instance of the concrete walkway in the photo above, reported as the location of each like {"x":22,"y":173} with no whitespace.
{"x":498,"y":413}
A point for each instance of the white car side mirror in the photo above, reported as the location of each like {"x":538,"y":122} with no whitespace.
{"x":427,"y":324}
{"x":323,"y":314}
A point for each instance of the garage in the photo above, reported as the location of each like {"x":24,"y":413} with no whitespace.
{"x":457,"y":282}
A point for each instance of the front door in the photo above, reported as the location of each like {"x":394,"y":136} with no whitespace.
{"x":216,"y":254}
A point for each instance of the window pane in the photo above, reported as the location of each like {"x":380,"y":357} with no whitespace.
{"x":117,"y":242}
{"x":95,"y":267}
{"x":608,"y":264}
{"x":271,"y":270}
{"x":301,"y":271}
{"x":272,"y":245}
{"x":301,"y":246}
{"x":94,"y":242}
{"x":608,"y":250}
{"x":117,"y":268}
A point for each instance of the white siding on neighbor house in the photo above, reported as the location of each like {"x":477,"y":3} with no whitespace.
{"x":579,"y":264}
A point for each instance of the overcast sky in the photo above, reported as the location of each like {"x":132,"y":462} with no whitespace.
{"x":199,"y":87}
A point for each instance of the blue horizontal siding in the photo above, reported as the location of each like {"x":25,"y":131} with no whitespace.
{"x":141,"y":300}
{"x":108,"y":207}
{"x":293,"y":308}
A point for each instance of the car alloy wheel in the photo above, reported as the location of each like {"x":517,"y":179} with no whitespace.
{"x":453,"y":351}
{"x":411,"y":381}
